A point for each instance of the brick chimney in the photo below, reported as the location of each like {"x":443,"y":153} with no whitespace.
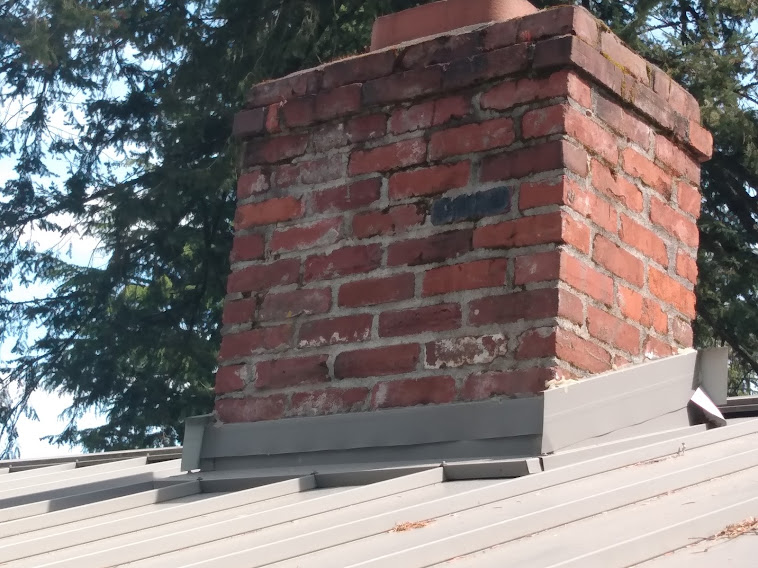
{"x":459,"y":217}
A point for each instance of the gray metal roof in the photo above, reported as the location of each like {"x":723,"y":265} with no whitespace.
{"x":623,"y":503}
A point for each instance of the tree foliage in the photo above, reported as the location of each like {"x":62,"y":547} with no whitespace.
{"x":116,"y":121}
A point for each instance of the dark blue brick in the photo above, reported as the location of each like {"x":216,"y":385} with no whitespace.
{"x":474,"y":206}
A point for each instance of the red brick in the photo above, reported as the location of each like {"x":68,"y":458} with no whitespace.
{"x":459,"y":351}
{"x":553,"y":155}
{"x":682,"y":332}
{"x":251,"y":183}
{"x":429,"y":181}
{"x":272,"y":118}
{"x":472,"y":138}
{"x":366,"y":127}
{"x":390,"y":157}
{"x":338,"y":102}
{"x":686,"y":266}
{"x":346,"y":329}
{"x":239,"y":311}
{"x":619,"y":54}
{"x":379,"y":361}
{"x":327,"y":137}
{"x":416,"y":117}
{"x":403,"y":86}
{"x":437,"y":248}
{"x":412,"y":392}
{"x":530,"y":305}
{"x":343,"y":262}
{"x":230,"y":379}
{"x":480,"y":386}
{"x":536,"y":343}
{"x":537,"y":267}
{"x":525,"y":231}
{"x":267,"y":212}
{"x":676,"y":159}
{"x":310,"y":173}
{"x":645,"y":311}
{"x":543,"y":193}
{"x":299,"y":111}
{"x":570,"y":307}
{"x":671,"y":292}
{"x":249,"y":123}
{"x":581,"y":353}
{"x":508,"y":94}
{"x":676,"y":224}
{"x":586,"y":279}
{"x":701,"y":140}
{"x":689,"y":199}
{"x":467,"y":71}
{"x":592,"y":207}
{"x":449,"y":108}
{"x":377,"y":291}
{"x":644,"y":240}
{"x":328,"y":401}
{"x":616,"y":187}
{"x":277,"y":149}
{"x":620,"y":362}
{"x":617,"y":260}
{"x":440,"y":317}
{"x":543,"y":121}
{"x":613,"y":331}
{"x":247,"y":247}
{"x":655,"y":348}
{"x":346,"y":197}
{"x":250,"y":409}
{"x":623,"y":122}
{"x":437,"y":50}
{"x":466,"y":276}
{"x":394,"y":220}
{"x":281,"y":373}
{"x":358,"y":69}
{"x":302,"y":237}
{"x":637,"y":165}
{"x":246,"y":343}
{"x":255,"y":278}
{"x":295,"y":303}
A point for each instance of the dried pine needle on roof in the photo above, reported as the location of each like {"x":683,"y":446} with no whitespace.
{"x":411,"y":525}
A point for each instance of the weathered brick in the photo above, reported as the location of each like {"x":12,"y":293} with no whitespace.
{"x":273,"y":125}
{"x":429,"y":181}
{"x":637,"y":165}
{"x":286,"y":88}
{"x":459,"y":351}
{"x":537,"y":267}
{"x":440,"y":49}
{"x":508,"y":94}
{"x":467,"y":71}
{"x":686,"y":266}
{"x":249,"y":123}
{"x":410,"y":321}
{"x":377,"y":291}
{"x":618,"y":53}
{"x":329,"y":136}
{"x":230,"y":379}
{"x":581,"y":353}
{"x":346,"y":329}
{"x":616,"y":187}
{"x":247,"y":247}
{"x":390,"y":157}
{"x":682,"y":332}
{"x":416,"y":117}
{"x":591,"y":206}
{"x":281,"y":373}
{"x":701,"y":140}
{"x":245,"y":343}
{"x":437,"y":248}
{"x":311,"y":172}
{"x":645,"y":311}
{"x":676,"y":224}
{"x":286,"y":305}
{"x":251,"y":409}
{"x":688,"y":199}
{"x":450,"y":107}
{"x":618,"y":261}
{"x":239,"y":311}
{"x":412,"y":392}
{"x":507,"y":308}
{"x":586,"y":279}
{"x":346,"y":197}
{"x":570,"y":307}
{"x":338,"y":102}
{"x":367,"y":127}
{"x":251,"y":183}
{"x":495,"y":201}
{"x":328,"y":401}
{"x":613,"y":331}
{"x":267,"y":212}
{"x":536,"y":343}
{"x":378,"y":361}
{"x":255,"y":278}
{"x":553,"y":155}
{"x":299,"y":111}
{"x":681,"y":164}
{"x":480,"y":386}
{"x":306,"y":236}
{"x":644,"y":240}
{"x":394,"y":220}
{"x":623,"y":122}
{"x":403,"y":86}
{"x":525,"y":231}
{"x":671,"y":292}
{"x":543,"y":121}
{"x":276,"y":149}
{"x":655,"y":348}
{"x":466,"y":276}
{"x":343,"y":262}
{"x":358,"y":69}
{"x":477,"y":137}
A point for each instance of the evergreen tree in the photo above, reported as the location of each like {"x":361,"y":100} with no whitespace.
{"x":133,"y":102}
